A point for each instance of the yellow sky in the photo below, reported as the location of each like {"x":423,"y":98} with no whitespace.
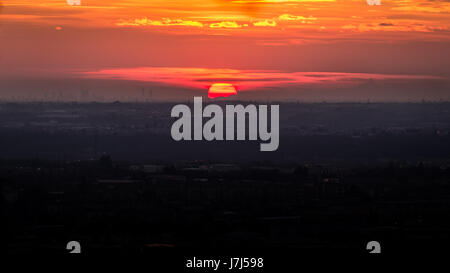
{"x":285,"y":19}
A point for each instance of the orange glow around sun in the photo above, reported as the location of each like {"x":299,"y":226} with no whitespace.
{"x":221,"y":90}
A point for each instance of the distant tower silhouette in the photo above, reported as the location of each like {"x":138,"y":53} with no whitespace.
{"x":146,"y":94}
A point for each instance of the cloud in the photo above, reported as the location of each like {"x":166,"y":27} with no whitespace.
{"x":289,"y":17}
{"x":246,"y":79}
{"x":400,"y":27}
{"x":225,"y":24}
{"x":265,"y":23}
{"x":163,"y":22}
{"x":435,"y":9}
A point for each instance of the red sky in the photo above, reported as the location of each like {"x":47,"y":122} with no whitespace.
{"x":254,"y":44}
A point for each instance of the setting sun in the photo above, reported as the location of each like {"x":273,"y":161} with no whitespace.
{"x":221,"y":90}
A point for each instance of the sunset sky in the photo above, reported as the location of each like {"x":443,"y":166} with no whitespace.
{"x":252,"y":44}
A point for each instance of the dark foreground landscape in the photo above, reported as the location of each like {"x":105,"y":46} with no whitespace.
{"x":110,"y":177}
{"x":119,"y":207}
